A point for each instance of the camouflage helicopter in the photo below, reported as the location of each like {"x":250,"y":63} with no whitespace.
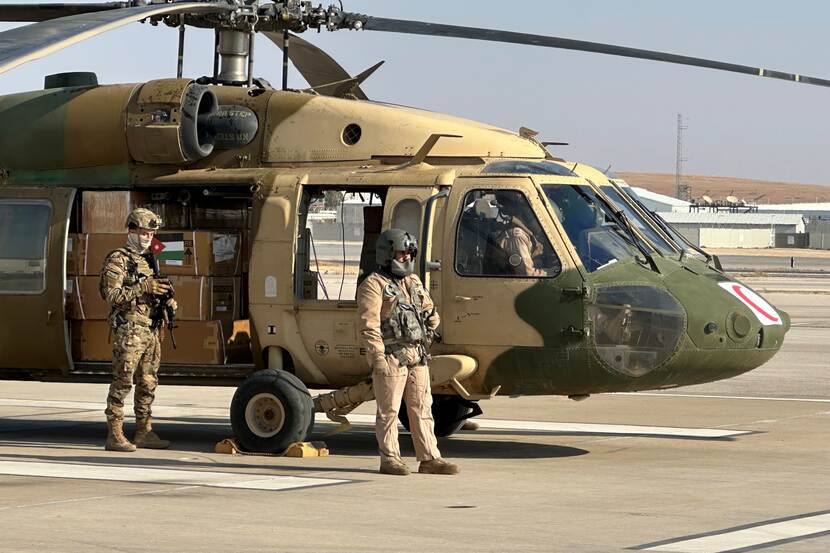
{"x":615,"y":299}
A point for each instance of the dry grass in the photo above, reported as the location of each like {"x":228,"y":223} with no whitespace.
{"x":767,"y":192}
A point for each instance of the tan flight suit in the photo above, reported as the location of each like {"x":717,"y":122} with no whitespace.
{"x":136,"y":348}
{"x":520,"y":249}
{"x":394,"y":378}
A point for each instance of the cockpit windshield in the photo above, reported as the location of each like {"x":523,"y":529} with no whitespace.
{"x":678,"y":239}
{"x":598,"y":238}
{"x":662,"y":245}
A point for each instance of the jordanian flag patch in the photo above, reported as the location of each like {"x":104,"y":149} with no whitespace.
{"x":172,"y":249}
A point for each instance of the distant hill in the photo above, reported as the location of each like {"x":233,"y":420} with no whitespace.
{"x":718,"y":188}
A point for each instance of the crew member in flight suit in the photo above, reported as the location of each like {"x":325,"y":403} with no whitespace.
{"x":398,"y":323}
{"x":516,"y":241}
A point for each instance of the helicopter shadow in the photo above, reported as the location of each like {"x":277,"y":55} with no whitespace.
{"x":200,"y":436}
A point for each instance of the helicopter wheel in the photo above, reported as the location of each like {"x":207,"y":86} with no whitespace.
{"x":270,"y":411}
{"x":450,"y":414}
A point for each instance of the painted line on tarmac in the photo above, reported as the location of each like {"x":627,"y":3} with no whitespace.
{"x":582,"y":428}
{"x":749,"y":537}
{"x":164,"y":476}
{"x":487,"y":424}
{"x":158,"y":410}
{"x":704,"y":396}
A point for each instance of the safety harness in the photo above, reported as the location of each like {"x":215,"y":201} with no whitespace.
{"x":406,"y":325}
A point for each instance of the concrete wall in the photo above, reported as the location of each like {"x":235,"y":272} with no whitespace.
{"x":819,"y":231}
{"x":689,"y":232}
{"x":736,"y":237}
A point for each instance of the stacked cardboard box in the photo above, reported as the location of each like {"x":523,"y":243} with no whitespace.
{"x":204,"y":266}
{"x":198,"y":342}
{"x":108,"y":211}
{"x":199,"y":298}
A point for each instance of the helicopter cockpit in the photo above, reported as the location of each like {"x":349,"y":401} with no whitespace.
{"x":499,"y":235}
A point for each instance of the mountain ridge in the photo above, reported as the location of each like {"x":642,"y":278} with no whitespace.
{"x":718,"y":188}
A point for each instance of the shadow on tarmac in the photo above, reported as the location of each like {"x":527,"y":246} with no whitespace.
{"x":201,"y":438}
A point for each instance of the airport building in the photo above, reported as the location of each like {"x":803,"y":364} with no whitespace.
{"x":739,"y":230}
{"x":716,"y":224}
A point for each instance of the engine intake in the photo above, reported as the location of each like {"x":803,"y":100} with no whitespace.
{"x":164,"y":122}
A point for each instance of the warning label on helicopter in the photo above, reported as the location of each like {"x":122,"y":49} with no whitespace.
{"x":762,"y":310}
{"x":349,"y":351}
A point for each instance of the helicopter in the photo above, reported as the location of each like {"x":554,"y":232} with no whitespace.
{"x":263,"y":186}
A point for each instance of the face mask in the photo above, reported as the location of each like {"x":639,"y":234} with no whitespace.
{"x":402,"y":268}
{"x":138,"y":242}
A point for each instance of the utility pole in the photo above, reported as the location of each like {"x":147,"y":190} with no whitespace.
{"x":682,"y":190}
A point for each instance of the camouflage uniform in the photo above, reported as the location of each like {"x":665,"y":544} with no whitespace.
{"x":132,"y":292}
{"x":400,"y":375}
{"x":136,"y":348}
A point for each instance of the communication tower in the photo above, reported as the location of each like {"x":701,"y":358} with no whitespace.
{"x":683,"y":190}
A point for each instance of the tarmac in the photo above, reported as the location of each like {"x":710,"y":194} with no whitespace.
{"x":736,"y":465}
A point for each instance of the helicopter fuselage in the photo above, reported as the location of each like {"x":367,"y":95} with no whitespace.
{"x":608,"y":313}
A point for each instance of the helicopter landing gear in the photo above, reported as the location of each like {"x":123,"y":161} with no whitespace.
{"x":450,"y":414}
{"x":270,"y":411}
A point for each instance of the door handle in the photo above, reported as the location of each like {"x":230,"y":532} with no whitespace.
{"x":49,"y":316}
{"x":463,"y":298}
{"x":573,"y":332}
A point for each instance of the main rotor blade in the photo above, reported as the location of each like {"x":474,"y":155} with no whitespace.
{"x":45,"y":12}
{"x":475,"y":33}
{"x":314,"y":64}
{"x":24,"y":44}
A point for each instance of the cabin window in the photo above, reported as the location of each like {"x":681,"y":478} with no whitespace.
{"x":407,"y":216}
{"x":500,"y":236}
{"x":24,"y":232}
{"x":336,"y":244}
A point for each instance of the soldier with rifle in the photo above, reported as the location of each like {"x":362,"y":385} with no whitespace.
{"x":140,"y":303}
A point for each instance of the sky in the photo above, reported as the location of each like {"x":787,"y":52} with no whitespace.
{"x":613,"y":111}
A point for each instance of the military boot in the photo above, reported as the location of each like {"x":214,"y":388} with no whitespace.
{"x":145,"y":437}
{"x":116,"y":441}
{"x":394,"y":466}
{"x":437,"y":466}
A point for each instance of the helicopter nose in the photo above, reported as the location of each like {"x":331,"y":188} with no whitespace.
{"x":731,"y":328}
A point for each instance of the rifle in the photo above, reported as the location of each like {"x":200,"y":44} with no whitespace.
{"x":163,"y":314}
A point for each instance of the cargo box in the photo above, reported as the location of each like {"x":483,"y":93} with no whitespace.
{"x":198,"y":343}
{"x":198,"y":298}
{"x":91,"y":341}
{"x":202,"y":253}
{"x":85,"y":253}
{"x":106,"y":212}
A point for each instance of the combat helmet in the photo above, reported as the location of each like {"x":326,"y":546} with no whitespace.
{"x":390,"y":241}
{"x":143,"y":218}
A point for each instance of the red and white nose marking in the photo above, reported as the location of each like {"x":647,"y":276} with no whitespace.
{"x":765,"y":313}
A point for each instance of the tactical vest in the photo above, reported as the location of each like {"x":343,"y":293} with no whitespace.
{"x":406,"y":325}
{"x":117,"y":317}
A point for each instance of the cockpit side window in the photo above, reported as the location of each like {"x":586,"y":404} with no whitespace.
{"x":498,"y":235}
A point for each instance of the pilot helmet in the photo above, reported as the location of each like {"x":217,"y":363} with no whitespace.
{"x":508,"y":202}
{"x":390,"y":241}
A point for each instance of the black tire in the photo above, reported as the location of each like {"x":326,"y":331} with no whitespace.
{"x":270,"y":411}
{"x":449,"y":413}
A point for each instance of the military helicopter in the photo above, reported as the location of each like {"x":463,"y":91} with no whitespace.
{"x":614,"y":299}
